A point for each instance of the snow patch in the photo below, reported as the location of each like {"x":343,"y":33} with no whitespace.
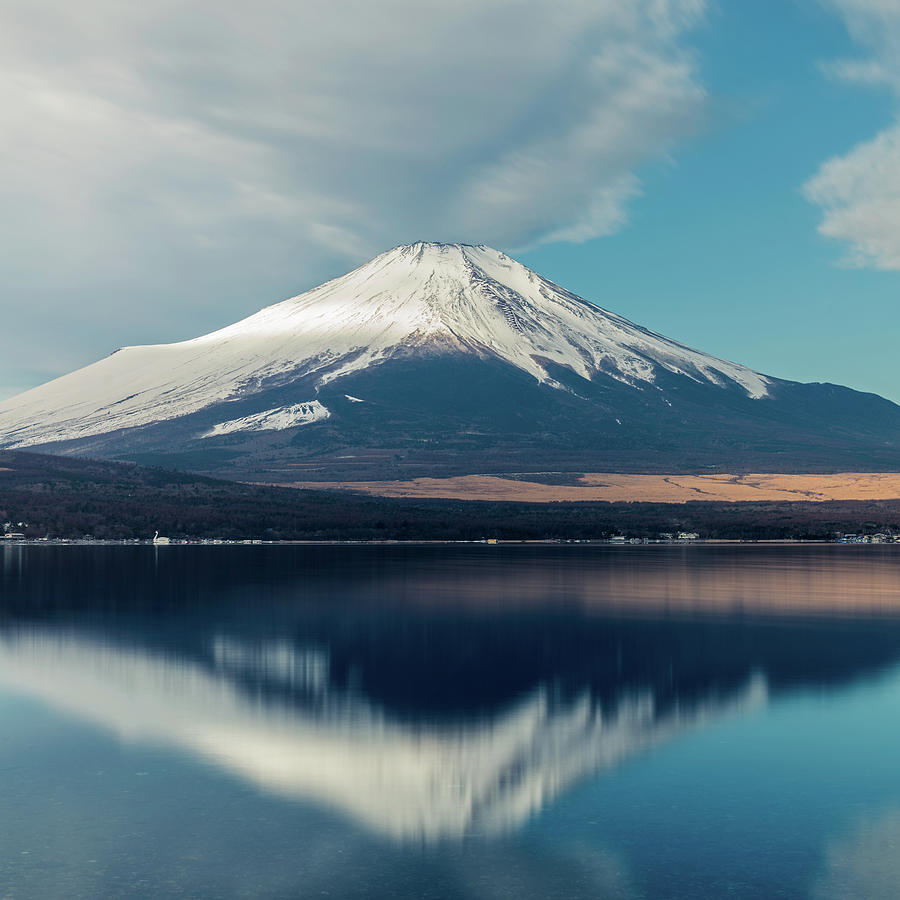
{"x":277,"y":419}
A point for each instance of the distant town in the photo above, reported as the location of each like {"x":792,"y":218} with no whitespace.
{"x":15,"y":533}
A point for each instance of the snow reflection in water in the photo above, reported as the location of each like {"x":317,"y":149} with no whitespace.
{"x":407,"y":780}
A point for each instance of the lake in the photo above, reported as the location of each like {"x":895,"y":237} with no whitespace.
{"x":457,"y":721}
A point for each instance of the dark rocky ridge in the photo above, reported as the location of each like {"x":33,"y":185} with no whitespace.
{"x":449,"y":415}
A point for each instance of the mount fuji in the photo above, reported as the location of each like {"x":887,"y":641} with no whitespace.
{"x":445,"y":359}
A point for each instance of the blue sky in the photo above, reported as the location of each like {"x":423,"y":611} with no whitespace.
{"x":722,"y":171}
{"x":722,"y":250}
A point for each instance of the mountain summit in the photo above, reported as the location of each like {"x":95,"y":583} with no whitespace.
{"x":439,"y":357}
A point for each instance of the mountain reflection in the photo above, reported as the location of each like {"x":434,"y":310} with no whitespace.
{"x":356,"y":680}
{"x":408,"y":780}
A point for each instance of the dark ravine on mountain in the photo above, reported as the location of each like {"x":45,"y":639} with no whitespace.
{"x":444,"y":359}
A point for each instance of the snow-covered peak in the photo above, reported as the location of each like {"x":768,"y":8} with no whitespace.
{"x":423,"y":296}
{"x":478,"y":299}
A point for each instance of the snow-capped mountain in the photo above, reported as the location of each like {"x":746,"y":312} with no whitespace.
{"x":423,"y":296}
{"x":400,"y":358}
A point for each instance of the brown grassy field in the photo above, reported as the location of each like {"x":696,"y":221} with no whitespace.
{"x":598,"y":486}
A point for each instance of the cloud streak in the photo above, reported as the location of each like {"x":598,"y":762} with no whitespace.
{"x":166,"y":159}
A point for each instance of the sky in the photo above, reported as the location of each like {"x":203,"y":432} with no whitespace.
{"x":726,"y":173}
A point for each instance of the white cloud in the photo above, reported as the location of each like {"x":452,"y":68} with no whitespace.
{"x":859,"y":192}
{"x":170,"y":159}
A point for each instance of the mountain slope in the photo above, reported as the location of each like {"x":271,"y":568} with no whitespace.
{"x":441,"y":358}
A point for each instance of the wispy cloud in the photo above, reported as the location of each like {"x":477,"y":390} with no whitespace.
{"x":146,"y":146}
{"x":859,"y":192}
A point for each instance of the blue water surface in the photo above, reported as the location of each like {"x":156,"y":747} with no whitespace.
{"x":450,"y":721}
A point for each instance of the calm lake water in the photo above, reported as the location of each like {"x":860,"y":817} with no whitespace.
{"x":450,"y":722}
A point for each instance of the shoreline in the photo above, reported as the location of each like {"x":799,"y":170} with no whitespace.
{"x":638,"y":542}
